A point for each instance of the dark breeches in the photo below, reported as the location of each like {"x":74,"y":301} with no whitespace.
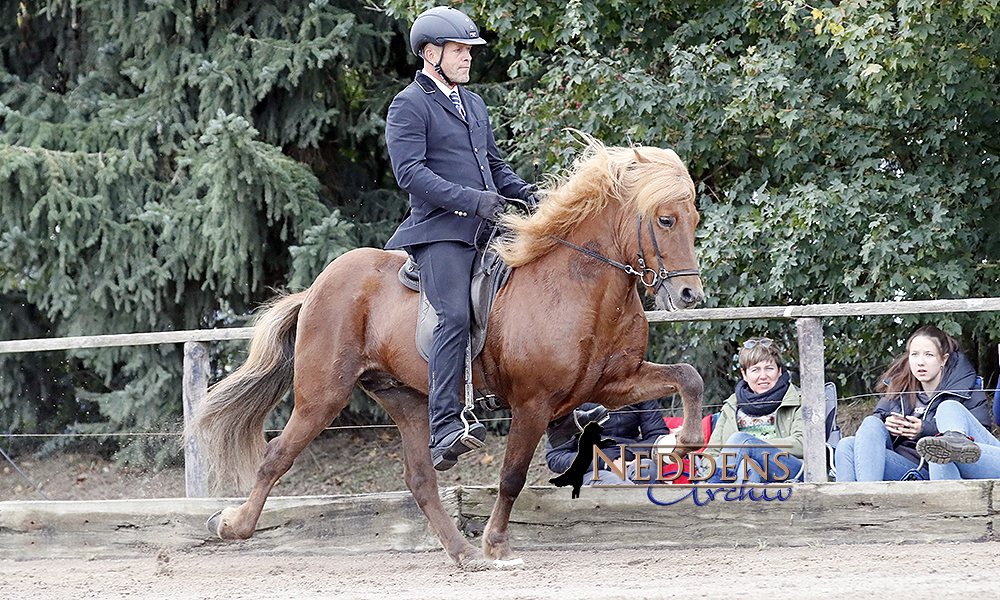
{"x":445,"y":277}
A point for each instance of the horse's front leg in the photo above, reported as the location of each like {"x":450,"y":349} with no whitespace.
{"x":653,"y":380}
{"x":527,"y":426}
{"x":691,"y":387}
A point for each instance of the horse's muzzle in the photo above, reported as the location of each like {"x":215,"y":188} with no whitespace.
{"x":690,"y":296}
{"x":674,"y":295}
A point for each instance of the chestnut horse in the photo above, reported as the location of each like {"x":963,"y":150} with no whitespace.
{"x":567,"y":328}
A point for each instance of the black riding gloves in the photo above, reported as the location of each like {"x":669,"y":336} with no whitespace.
{"x":529,"y":199}
{"x":533,"y":196}
{"x":490,"y":206}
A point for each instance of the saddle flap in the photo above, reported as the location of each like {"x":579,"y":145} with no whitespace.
{"x":490,"y":275}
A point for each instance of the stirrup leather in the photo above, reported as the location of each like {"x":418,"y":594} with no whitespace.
{"x":467,"y":438}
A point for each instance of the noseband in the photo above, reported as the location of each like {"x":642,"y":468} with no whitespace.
{"x":656,"y":279}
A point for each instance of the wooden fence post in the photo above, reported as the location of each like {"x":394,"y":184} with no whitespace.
{"x":812,"y":379}
{"x":196,"y":369}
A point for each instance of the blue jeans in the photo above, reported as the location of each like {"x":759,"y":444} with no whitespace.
{"x":953,"y":416}
{"x":745,"y":446}
{"x":868,"y":455}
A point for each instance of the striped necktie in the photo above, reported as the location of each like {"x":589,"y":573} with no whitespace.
{"x":457,"y":102}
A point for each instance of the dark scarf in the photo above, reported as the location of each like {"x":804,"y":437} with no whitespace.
{"x":765,"y":403}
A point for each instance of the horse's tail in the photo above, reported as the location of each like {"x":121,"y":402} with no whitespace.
{"x":229,"y":423}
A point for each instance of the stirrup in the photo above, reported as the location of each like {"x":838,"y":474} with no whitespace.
{"x":467,"y":438}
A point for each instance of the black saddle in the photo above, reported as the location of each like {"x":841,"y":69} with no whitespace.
{"x":490,"y":275}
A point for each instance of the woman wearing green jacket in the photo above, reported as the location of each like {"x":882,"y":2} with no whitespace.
{"x":758,"y":436}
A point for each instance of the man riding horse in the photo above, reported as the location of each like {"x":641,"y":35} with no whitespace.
{"x":567,"y":328}
{"x":444,"y":155}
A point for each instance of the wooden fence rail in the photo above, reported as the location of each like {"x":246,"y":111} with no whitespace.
{"x":807,"y":320}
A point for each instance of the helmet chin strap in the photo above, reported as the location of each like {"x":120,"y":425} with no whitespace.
{"x":440,"y":71}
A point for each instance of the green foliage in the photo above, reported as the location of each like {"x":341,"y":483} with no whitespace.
{"x":159,"y":164}
{"x":20,"y":375}
{"x":321,"y":244}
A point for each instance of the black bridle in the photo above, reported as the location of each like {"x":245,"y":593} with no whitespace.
{"x":656,"y":279}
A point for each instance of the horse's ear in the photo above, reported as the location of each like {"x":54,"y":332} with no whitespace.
{"x":639,"y":157}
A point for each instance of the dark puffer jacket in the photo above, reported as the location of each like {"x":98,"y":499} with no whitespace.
{"x":959,"y":383}
{"x":637,"y":424}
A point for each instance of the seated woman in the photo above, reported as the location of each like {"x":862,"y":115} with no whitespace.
{"x":931,"y":371}
{"x":761,"y":421}
{"x":638,"y":424}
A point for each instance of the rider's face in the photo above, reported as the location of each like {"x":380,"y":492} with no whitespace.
{"x":456,"y":59}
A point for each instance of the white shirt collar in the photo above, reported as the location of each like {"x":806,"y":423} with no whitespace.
{"x":441,"y":85}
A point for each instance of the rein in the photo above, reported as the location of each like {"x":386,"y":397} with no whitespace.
{"x":656,"y":278}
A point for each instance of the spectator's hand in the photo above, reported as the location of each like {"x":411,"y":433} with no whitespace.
{"x":621,"y":465}
{"x":894,"y":424}
{"x":908,"y":427}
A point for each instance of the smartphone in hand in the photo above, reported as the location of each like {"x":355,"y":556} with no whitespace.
{"x":893,"y":426}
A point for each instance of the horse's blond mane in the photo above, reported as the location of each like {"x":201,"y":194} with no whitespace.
{"x":637,"y":178}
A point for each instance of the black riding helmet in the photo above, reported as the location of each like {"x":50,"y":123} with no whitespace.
{"x":441,"y":25}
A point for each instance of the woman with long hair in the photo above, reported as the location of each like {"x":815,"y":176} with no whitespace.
{"x":931,"y":374}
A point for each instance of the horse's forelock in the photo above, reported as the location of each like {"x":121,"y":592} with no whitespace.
{"x":659,"y":176}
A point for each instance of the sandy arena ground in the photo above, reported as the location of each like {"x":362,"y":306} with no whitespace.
{"x":933,"y":571}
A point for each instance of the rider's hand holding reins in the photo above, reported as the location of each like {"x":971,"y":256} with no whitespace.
{"x":490,"y":206}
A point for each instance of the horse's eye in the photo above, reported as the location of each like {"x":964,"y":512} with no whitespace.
{"x":667,"y":222}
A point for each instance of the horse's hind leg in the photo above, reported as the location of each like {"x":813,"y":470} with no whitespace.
{"x":408,"y":409}
{"x":308,"y":420}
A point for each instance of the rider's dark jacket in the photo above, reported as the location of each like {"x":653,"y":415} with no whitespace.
{"x":445,"y":163}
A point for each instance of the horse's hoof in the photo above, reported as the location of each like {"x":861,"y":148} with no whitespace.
{"x":513,"y":563}
{"x":213,"y":523}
